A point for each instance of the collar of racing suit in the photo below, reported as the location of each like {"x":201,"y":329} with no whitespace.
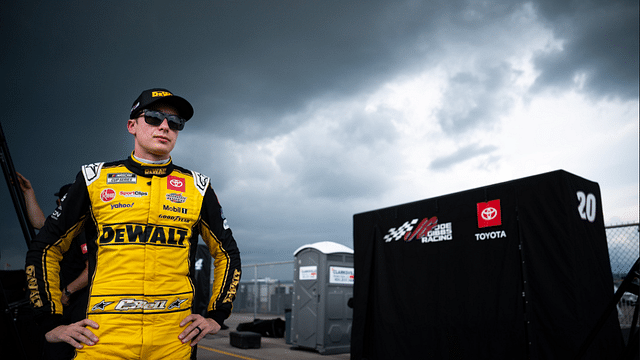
{"x":148,"y":170}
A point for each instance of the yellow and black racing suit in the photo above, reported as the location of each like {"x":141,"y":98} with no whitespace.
{"x":147,"y":219}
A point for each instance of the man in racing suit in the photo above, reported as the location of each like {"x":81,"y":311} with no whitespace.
{"x":147,"y":213}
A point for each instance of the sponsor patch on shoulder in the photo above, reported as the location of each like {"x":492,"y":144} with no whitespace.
{"x":225,"y":224}
{"x":122,"y":178}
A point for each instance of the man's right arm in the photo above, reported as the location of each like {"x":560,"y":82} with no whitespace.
{"x":45,"y":253}
{"x":78,"y":284}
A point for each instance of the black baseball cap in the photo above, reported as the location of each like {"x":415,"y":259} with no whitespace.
{"x":164,"y":96}
{"x":63,"y":191}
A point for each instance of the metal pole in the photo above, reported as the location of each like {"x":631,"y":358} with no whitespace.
{"x":255,"y":293}
{"x":14,"y":189}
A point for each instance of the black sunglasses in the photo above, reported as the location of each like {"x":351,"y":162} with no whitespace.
{"x":155,"y":118}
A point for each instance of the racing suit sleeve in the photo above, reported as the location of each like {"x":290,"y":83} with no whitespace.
{"x":226,"y":257}
{"x":44,"y":255}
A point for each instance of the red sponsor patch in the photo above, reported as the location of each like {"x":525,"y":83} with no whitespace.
{"x":107,"y":195}
{"x":83,"y":247}
{"x":175,"y":183}
{"x":489,"y":214}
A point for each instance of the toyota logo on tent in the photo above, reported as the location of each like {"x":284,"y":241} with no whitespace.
{"x":489,"y":214}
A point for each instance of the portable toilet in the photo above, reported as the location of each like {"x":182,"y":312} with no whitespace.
{"x":323,"y":284}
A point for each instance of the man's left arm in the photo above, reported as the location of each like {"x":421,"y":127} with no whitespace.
{"x":227,"y":270}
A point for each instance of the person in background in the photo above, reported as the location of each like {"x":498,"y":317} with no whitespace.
{"x":34,"y":212}
{"x":73,"y":270}
{"x":148,"y":214}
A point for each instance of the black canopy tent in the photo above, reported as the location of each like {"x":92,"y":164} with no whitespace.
{"x":508,"y":271}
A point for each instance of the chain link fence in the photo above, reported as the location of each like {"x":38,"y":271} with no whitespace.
{"x":265,"y":289}
{"x":268,"y":288}
{"x":623,"y":253}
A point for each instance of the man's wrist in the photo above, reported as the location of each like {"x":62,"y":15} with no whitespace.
{"x":66,"y":292}
{"x":218,"y":316}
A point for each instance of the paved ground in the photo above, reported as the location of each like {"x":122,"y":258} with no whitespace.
{"x":219,"y":346}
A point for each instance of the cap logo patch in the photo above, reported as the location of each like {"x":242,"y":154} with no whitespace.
{"x":160,"y":93}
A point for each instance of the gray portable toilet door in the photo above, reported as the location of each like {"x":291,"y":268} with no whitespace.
{"x":307,"y":298}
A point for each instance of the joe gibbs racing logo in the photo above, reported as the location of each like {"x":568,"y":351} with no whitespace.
{"x":428,"y":230}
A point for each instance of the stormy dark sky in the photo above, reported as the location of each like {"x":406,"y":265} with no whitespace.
{"x":307,"y":112}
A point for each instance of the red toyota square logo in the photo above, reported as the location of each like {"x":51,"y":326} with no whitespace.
{"x":489,"y":214}
{"x":175,"y":183}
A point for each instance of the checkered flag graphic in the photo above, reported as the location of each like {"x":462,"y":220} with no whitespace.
{"x":397,"y":234}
